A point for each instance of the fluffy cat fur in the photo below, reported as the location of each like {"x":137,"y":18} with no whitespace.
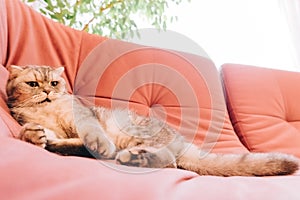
{"x":53,"y":119}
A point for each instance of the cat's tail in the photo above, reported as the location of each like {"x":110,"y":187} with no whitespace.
{"x":252,"y":164}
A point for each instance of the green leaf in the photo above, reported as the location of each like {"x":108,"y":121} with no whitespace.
{"x":113,"y":18}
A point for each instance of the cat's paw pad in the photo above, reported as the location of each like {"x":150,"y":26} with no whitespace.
{"x":33,"y":133}
{"x":135,"y":158}
{"x":100,"y":146}
{"x":140,"y":157}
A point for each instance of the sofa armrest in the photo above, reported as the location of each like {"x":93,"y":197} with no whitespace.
{"x":9,"y":127}
{"x":3,"y":32}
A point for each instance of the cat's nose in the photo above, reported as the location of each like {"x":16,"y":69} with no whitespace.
{"x":46,"y":91}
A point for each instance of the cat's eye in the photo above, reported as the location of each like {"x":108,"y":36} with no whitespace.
{"x":32,"y":83}
{"x":54,"y":83}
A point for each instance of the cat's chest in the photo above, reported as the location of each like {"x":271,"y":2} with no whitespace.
{"x":55,"y":112}
{"x":56,"y":116}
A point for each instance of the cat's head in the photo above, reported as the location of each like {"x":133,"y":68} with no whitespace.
{"x":30,"y":85}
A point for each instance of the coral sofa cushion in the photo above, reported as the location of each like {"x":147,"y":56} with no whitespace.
{"x":264,"y":105}
{"x":29,"y":38}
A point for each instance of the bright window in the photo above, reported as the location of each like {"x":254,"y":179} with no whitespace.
{"x":250,"y":32}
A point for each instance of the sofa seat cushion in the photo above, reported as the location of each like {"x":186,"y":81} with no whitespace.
{"x":264,"y":107}
{"x":28,"y":172}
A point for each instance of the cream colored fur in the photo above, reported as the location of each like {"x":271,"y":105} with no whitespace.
{"x":55,"y":120}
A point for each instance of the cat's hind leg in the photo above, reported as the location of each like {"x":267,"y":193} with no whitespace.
{"x":146,"y":157}
{"x":68,"y":147}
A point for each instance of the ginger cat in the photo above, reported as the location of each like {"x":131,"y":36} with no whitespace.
{"x":53,"y":119}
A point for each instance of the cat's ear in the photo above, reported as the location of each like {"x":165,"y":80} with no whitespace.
{"x":59,"y":70}
{"x":14,"y":70}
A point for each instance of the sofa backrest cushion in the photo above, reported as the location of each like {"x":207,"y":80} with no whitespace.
{"x":30,"y":38}
{"x":264,"y":107}
{"x":181,"y":89}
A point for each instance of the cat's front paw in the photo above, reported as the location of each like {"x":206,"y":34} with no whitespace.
{"x":33,"y":133}
{"x":100,"y":146}
{"x":125,"y":141}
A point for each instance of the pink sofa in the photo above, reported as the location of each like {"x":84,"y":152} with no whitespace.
{"x":260,"y":113}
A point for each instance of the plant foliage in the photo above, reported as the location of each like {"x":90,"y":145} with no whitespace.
{"x":113,"y":18}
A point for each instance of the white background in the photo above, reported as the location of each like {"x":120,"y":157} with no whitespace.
{"x":250,"y":32}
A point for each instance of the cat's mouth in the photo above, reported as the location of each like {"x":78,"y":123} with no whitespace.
{"x":46,"y":100}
